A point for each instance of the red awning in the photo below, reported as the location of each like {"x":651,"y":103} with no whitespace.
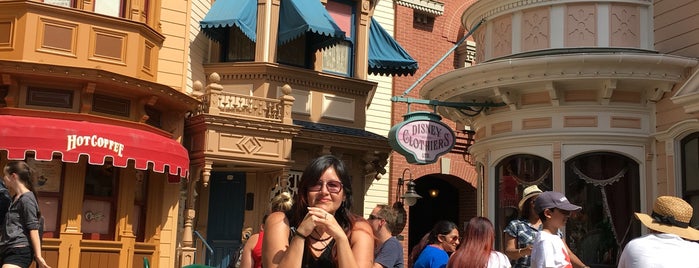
{"x":44,"y":136}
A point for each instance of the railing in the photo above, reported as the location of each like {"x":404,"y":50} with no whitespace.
{"x":208,"y":248}
{"x":243,"y":105}
{"x":215,"y":101}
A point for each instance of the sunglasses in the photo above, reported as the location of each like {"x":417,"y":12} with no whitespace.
{"x":332,"y":186}
{"x":451,"y":239}
{"x":374,"y":217}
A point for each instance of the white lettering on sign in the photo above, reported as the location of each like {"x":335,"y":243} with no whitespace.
{"x":426,"y":139}
{"x":75,"y":141}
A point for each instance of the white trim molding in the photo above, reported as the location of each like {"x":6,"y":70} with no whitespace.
{"x":428,"y":6}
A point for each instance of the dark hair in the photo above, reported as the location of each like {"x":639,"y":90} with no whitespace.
{"x":24,"y":172}
{"x":310,"y":177}
{"x":389,"y":214}
{"x":526,"y":208}
{"x":542,"y":215}
{"x":478,"y":243}
{"x":440,"y":228}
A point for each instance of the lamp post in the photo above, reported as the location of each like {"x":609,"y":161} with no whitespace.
{"x":468,"y":158}
{"x":410,"y":197}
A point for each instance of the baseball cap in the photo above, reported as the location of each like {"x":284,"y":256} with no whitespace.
{"x":551,"y":199}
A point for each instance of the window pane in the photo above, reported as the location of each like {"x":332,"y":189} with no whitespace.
{"x":293,"y":53}
{"x":694,"y":201}
{"x":49,"y":97}
{"x":240,"y":47}
{"x":336,"y":59}
{"x":96,"y":218}
{"x":100,"y":181}
{"x":108,"y":7}
{"x":63,"y":3}
{"x":690,"y":173}
{"x":342,"y":14}
{"x":513,"y":174}
{"x":691,"y":164}
{"x":49,"y":207}
{"x":606,"y":185}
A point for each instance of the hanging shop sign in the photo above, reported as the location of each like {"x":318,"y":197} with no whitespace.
{"x":421,"y":137}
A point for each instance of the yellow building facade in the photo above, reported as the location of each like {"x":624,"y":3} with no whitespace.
{"x":155,"y":134}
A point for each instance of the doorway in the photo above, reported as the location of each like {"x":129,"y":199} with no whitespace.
{"x":226,"y":210}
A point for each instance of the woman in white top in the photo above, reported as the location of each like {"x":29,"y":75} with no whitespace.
{"x":476,"y":250}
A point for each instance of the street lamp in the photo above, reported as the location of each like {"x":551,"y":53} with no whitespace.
{"x":410,"y":197}
{"x":468,"y":158}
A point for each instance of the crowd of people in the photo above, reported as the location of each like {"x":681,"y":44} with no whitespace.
{"x":319,"y":230}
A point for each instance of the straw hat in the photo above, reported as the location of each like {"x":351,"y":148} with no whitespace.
{"x":528,"y":192}
{"x":670,"y":215}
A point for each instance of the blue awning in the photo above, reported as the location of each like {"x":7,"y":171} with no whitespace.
{"x":386,"y":56}
{"x":228,"y":13}
{"x":298,"y":17}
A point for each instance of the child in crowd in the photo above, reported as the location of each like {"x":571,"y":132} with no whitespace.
{"x":549,"y":250}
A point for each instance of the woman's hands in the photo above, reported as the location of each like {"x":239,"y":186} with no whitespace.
{"x":324,"y":222}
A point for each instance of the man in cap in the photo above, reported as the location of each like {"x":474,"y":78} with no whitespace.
{"x":667,"y":243}
{"x":549,"y":249}
{"x":520,"y":233}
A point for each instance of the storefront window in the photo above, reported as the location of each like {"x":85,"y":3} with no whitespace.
{"x":513,"y":174}
{"x":690,"y":174}
{"x":99,"y":202}
{"x":606,"y":185}
{"x":48,"y":175}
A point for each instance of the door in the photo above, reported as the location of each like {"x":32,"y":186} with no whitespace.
{"x":226,"y":208}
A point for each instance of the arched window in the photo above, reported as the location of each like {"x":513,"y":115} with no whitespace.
{"x":690,"y":174}
{"x":606,"y":185}
{"x":512,"y":175}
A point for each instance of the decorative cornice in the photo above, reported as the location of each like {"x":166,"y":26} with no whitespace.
{"x":208,"y":121}
{"x":426,"y":6}
{"x":38,"y":72}
{"x":491,"y":9}
{"x":342,"y":141}
{"x":295,"y":77}
{"x":655,"y":69}
{"x":688,"y":95}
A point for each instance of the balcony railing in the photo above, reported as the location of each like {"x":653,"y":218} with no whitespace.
{"x":215,"y":101}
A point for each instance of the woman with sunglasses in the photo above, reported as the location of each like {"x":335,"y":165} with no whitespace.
{"x":319,"y":230}
{"x":432,"y":251}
